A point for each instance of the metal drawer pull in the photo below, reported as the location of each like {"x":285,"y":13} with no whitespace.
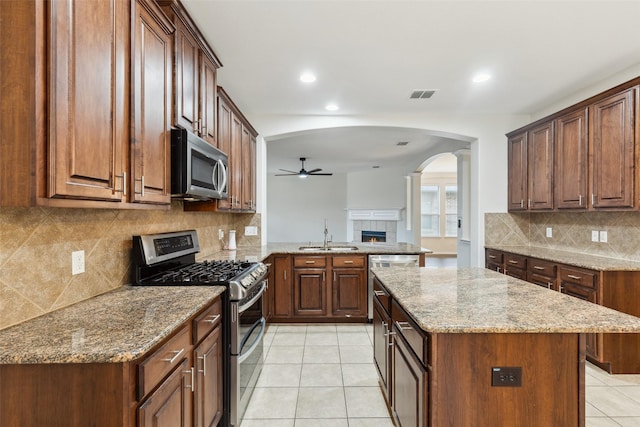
{"x":404,"y":326}
{"x":189,"y":386}
{"x":512,"y":261}
{"x":309,"y":262}
{"x":348,"y":261}
{"x":212,"y":319}
{"x":535,"y":267}
{"x":549,"y":285}
{"x":176,"y":355}
{"x":204,"y":365}
{"x":492,"y":256}
{"x":379,"y":293}
{"x":390,"y":343}
{"x":571,"y":276}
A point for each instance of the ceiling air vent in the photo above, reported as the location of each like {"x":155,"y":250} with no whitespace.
{"x":402,"y":143}
{"x":422,"y":94}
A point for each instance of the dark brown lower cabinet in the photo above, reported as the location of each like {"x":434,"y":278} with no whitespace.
{"x":208,"y":377}
{"x":409,"y":388}
{"x":309,"y":292}
{"x":381,"y":354}
{"x":170,"y":404}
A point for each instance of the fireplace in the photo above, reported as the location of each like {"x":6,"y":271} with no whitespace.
{"x":369,"y":236}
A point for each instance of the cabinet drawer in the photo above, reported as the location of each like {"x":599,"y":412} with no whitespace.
{"x":517,"y":261}
{"x":381,"y":294}
{"x":347,"y":261}
{"x":578,"y":276}
{"x":416,"y":339}
{"x":209,"y":319}
{"x":539,"y":267}
{"x":309,"y":261}
{"x":158,"y":365}
{"x":494,"y":256}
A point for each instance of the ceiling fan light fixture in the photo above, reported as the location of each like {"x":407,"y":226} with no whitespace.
{"x":307,"y":77}
{"x":331,"y":107}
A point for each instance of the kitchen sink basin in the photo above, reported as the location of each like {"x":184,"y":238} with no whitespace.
{"x":329,"y":248}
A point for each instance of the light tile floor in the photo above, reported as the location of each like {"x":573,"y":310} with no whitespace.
{"x":322,"y":375}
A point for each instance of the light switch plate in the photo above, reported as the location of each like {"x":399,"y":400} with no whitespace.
{"x":251,"y":230}
{"x":77,"y":262}
{"x":594,"y":236}
{"x":603,"y":236}
{"x":549,"y":232}
{"x":220,"y":234}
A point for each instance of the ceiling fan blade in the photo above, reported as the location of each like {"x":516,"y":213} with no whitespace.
{"x":292,"y":172}
{"x":286,"y":174}
{"x":314,"y":170}
{"x":320,"y":174}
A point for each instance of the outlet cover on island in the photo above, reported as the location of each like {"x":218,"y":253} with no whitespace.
{"x":77,"y":262}
{"x":549,"y":232}
{"x":594,"y":236}
{"x":251,"y":230}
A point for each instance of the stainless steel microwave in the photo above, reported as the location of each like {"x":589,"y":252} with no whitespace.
{"x":198,"y":169}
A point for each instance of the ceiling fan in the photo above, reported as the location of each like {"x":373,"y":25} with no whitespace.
{"x":303,"y":173}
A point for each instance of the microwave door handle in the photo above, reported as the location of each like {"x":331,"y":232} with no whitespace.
{"x":222,"y":186}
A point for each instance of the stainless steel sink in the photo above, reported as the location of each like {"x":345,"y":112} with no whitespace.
{"x":329,"y":248}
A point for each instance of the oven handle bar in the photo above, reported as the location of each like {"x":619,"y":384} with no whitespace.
{"x":243,"y":356}
{"x":249,"y":303}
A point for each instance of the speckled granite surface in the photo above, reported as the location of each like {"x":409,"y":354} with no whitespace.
{"x":477,"y":300}
{"x":259,"y":253}
{"x":118,"y":326}
{"x":593,"y":262}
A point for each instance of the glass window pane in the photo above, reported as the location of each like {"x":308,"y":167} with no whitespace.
{"x":430,"y":200}
{"x":452,"y":225}
{"x":451,"y":199}
{"x":430,"y":225}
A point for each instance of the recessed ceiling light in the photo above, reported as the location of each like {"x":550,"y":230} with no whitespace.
{"x":331,"y":107}
{"x":307,"y":77}
{"x":481,"y":77}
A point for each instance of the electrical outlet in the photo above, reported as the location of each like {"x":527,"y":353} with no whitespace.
{"x":594,"y":236}
{"x":77,"y":262}
{"x":549,"y":232}
{"x":220,"y":234}
{"x":603,"y":236}
{"x":251,"y":230}
{"x":506,"y":376}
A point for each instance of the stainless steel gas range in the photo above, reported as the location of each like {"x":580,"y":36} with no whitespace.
{"x":168,"y":259}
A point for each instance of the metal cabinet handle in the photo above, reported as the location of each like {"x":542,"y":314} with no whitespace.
{"x":536,"y":267}
{"x":492,"y":256}
{"x":176,"y":355}
{"x":324,"y":276}
{"x":529,"y":203}
{"x":309,"y":262}
{"x":204,"y":365}
{"x":580,"y":200}
{"x":571,"y":276}
{"x":593,"y":199}
{"x":285,"y":274}
{"x":379,"y":294}
{"x":549,"y":285}
{"x":190,"y":386}
{"x":334,"y":277}
{"x":512,"y":261}
{"x":403,"y":326}
{"x":348,"y":261}
{"x":522,"y":203}
{"x":390,"y":343}
{"x":385,"y":326}
{"x":212,"y":319}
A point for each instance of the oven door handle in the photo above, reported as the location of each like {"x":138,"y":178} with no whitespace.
{"x":249,"y":303}
{"x":244,"y":354}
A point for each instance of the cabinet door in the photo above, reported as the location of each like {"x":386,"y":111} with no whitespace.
{"x":208,"y":85}
{"x":224,"y":143}
{"x":571,"y":161}
{"x":540,"y":167}
{"x":517,"y":178}
{"x":248,"y":170}
{"x":309,"y":290}
{"x":593,"y":341}
{"x":349,"y":292}
{"x":88,"y":108}
{"x":208,"y":388}
{"x":235,"y":163}
{"x":151,"y":100}
{"x":282,"y":289}
{"x":187,"y":71}
{"x":381,"y":348}
{"x":170,"y":404}
{"x":612,"y":140}
{"x":409,"y":386}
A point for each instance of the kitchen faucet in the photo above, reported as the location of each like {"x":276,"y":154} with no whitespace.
{"x":326,"y":232}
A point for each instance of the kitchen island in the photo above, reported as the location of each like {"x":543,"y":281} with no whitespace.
{"x":463,"y":347}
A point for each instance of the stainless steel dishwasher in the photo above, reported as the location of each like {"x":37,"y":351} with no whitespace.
{"x":387,"y":260}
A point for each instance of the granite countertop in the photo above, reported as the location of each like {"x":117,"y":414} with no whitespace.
{"x":593,"y":262}
{"x":478,"y":300}
{"x":260,"y":253}
{"x":118,"y":326}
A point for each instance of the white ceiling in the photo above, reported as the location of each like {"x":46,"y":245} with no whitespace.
{"x":370,"y":55}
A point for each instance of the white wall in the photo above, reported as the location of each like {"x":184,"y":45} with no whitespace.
{"x":297,"y":208}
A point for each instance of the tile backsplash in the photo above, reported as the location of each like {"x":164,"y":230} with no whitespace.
{"x":36,"y":245}
{"x":571,"y":231}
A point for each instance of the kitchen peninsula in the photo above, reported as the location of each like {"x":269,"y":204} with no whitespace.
{"x":474,"y":347}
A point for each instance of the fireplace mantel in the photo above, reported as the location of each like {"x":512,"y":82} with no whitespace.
{"x":375,"y":214}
